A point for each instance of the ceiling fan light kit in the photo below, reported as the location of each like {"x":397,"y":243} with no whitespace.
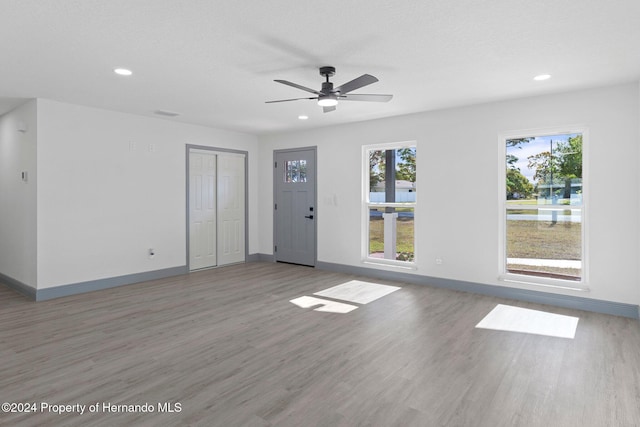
{"x":328,"y":101}
{"x":328,"y":97}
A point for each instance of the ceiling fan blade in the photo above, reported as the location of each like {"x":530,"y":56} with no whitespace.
{"x":328,"y":109}
{"x":363,"y":80}
{"x":286,"y":100}
{"x":366,"y":97}
{"x":297,"y":86}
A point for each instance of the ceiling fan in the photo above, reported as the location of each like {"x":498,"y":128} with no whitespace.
{"x":329,"y":96}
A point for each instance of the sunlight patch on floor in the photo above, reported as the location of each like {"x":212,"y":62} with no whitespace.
{"x":358,"y":291}
{"x":324,"y":305}
{"x":516,"y":319}
{"x":353,"y":291}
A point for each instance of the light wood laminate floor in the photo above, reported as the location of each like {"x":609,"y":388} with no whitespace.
{"x":233,"y":351}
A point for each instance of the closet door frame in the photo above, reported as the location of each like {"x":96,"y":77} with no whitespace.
{"x":215,"y":150}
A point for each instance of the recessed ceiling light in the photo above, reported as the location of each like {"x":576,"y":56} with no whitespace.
{"x":542,"y":77}
{"x":303,"y":117}
{"x":122,"y":71}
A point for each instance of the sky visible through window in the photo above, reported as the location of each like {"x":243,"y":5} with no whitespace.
{"x":538,"y":145}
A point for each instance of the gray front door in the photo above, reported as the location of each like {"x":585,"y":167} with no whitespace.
{"x":295,"y":212}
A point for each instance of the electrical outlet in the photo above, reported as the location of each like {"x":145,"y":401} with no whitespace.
{"x":152,"y":252}
{"x":438,"y":261}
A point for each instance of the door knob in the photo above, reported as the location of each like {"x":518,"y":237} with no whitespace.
{"x":309,"y":216}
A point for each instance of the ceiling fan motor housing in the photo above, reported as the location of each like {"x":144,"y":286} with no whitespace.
{"x":327,"y":87}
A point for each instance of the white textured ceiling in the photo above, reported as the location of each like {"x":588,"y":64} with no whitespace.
{"x":214,"y":61}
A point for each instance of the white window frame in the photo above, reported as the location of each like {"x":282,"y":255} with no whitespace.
{"x":367,"y":205}
{"x":503,"y":275}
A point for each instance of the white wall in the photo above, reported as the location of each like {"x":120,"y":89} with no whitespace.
{"x":102,"y":204}
{"x":458,"y":172}
{"x":17,"y":198}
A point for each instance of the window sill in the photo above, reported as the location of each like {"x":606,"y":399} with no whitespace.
{"x":400,"y":265}
{"x":544,"y":282}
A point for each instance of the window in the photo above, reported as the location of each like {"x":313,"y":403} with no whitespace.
{"x":295,"y":171}
{"x":544,"y":207}
{"x":390,"y":201}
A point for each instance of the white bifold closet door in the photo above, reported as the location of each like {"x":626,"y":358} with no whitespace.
{"x":216,"y":208}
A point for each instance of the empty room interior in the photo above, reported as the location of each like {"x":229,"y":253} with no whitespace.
{"x":242,"y":213}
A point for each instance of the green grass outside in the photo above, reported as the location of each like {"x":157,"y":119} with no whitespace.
{"x":544,"y":240}
{"x":404,"y":238}
{"x":523,"y":202}
{"x":525,"y":239}
{"x":538,"y":202}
